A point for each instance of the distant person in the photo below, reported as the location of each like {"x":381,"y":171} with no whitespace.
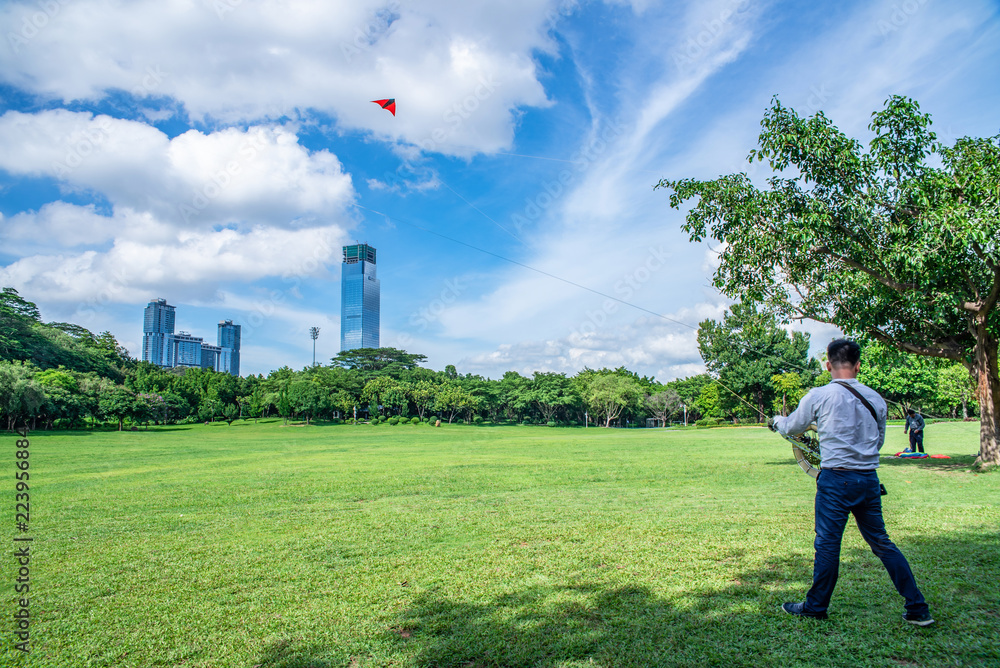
{"x":915,"y":425}
{"x":850,"y":419}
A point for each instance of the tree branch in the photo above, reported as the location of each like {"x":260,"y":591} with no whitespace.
{"x":902,"y":288}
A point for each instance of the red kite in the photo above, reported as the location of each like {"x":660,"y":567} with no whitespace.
{"x":389,"y":104}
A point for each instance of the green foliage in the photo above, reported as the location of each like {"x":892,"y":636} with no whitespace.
{"x":955,"y":387}
{"x":394,"y":420}
{"x":608,"y":393}
{"x":896,"y":243}
{"x":747,"y":350}
{"x":900,"y":378}
{"x":708,"y":402}
{"x":378,"y":361}
{"x":788,"y":391}
{"x":414,"y":420}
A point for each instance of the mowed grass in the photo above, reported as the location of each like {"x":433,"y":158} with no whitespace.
{"x":291,"y":546}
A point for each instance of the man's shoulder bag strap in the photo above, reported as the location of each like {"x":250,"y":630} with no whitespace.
{"x":867,"y":404}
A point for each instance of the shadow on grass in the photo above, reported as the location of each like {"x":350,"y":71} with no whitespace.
{"x":959,"y":463}
{"x":594,"y":622}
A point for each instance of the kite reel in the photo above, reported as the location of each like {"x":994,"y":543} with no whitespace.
{"x":805,"y":447}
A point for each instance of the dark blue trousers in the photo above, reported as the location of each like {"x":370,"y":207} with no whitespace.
{"x":840,"y":494}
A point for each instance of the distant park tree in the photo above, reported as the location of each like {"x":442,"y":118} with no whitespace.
{"x":552,"y":392}
{"x":898,"y":243}
{"x":390,"y":361}
{"x":118,"y":404}
{"x":663,"y":404}
{"x":608,"y":394}
{"x":904,"y":380}
{"x":955,"y":387}
{"x":746,"y":350}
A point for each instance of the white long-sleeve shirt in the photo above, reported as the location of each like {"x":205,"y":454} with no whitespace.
{"x":848,"y":436}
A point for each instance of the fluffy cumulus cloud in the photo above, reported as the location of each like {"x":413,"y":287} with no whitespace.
{"x":458,"y":70}
{"x":260,"y":175}
{"x":191,"y":265}
{"x":187,"y":213}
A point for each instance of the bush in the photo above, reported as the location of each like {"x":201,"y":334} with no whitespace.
{"x":427,"y":419}
{"x":394,"y":420}
{"x":550,"y":423}
{"x":414,"y":420}
{"x":708,"y":422}
{"x":375,"y":420}
{"x":478,"y":419}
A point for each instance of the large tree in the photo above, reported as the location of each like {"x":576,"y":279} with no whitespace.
{"x":899,"y":242}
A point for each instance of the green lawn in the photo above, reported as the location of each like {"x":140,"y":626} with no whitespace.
{"x":323,"y":546}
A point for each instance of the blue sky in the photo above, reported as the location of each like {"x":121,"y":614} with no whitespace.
{"x":219,"y":153}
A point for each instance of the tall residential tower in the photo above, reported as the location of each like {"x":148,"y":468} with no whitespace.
{"x":229,"y":342}
{"x":359,"y":299}
{"x":157,"y":326}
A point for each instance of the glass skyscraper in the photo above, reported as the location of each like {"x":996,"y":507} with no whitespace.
{"x":229,"y":342}
{"x":157,"y":326}
{"x":359,"y":299}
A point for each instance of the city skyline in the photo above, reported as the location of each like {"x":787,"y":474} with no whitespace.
{"x":166,"y":348}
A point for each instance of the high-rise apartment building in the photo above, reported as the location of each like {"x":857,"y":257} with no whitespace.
{"x":157,"y":325}
{"x":229,"y":344}
{"x":359,"y":299}
{"x":183,"y":350}
{"x":210,"y":356}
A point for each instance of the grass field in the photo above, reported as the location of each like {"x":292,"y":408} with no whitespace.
{"x":290,"y":546}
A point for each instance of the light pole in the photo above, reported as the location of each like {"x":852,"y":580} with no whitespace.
{"x":314,"y":334}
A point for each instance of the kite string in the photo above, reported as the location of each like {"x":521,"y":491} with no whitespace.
{"x":602,"y":294}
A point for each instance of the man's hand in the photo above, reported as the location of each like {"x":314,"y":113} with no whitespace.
{"x":770,"y":424}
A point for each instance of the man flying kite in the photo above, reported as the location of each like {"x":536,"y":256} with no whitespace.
{"x":850,"y":419}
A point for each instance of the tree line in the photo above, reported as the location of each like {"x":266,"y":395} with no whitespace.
{"x":61,"y":376}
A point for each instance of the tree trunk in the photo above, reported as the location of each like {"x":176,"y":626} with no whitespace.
{"x":988,"y":393}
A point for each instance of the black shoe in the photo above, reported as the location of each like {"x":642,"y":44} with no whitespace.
{"x":797,"y":610}
{"x":921,"y":619}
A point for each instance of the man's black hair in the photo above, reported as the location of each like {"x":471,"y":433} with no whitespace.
{"x":910,"y":411}
{"x":843,"y":352}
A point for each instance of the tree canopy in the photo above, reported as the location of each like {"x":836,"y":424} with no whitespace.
{"x":898,"y":243}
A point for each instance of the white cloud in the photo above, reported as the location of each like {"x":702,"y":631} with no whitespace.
{"x":189,"y":267}
{"x":459,"y":71}
{"x":260,"y":175}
